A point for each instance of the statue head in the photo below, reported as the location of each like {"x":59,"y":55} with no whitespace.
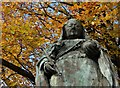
{"x":73,"y":29}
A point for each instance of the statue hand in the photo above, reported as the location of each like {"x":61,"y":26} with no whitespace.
{"x":91,"y":49}
{"x":49,"y":68}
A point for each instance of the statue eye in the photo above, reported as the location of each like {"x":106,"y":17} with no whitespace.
{"x":70,"y":24}
{"x":77,"y":25}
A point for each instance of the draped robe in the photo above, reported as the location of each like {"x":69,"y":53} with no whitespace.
{"x":76,"y":69}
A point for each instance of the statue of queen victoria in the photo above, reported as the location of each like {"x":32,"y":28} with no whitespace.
{"x":75,"y":61}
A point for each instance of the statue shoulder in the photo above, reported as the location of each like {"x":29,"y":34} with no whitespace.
{"x":91,"y":42}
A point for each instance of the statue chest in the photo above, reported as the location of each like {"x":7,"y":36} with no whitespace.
{"x":70,"y":46}
{"x":77,"y":70}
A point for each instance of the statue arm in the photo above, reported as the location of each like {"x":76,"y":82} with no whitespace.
{"x":41,"y":62}
{"x":46,"y":64}
{"x":92,"y":49}
{"x":99,"y":54}
{"x":44,"y":59}
{"x":46,"y":67}
{"x":40,"y":78}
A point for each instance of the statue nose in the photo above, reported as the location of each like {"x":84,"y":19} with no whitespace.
{"x":73,"y":27}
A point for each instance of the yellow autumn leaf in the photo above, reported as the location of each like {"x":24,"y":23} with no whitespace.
{"x":13,"y":84}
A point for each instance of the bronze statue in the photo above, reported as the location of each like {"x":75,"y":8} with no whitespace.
{"x":75,"y":61}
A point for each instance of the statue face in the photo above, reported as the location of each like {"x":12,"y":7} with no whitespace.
{"x":73,"y":29}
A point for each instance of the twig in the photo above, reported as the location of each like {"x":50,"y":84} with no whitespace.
{"x":49,"y":15}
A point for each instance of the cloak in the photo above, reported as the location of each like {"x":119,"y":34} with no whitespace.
{"x":76,"y":69}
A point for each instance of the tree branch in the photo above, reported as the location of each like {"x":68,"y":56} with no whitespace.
{"x":48,"y":14}
{"x":16,"y":58}
{"x":17,"y":69}
{"x":58,"y":10}
{"x":70,"y":4}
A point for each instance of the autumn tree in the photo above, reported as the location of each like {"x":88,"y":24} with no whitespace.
{"x":28,"y":26}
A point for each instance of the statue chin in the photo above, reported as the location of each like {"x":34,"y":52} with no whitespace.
{"x":74,"y":36}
